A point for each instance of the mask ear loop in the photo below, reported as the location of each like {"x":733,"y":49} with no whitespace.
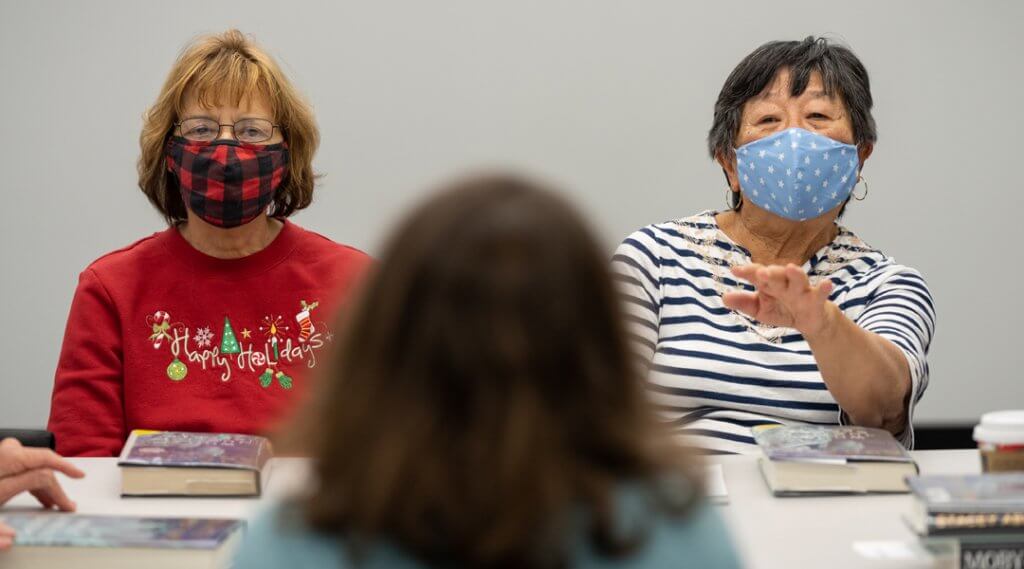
{"x":728,"y":191}
{"x":864,"y":196}
{"x":728,"y":201}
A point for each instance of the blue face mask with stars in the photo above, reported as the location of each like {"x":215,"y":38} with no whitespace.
{"x":796,"y":173}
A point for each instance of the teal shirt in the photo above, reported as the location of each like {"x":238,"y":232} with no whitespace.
{"x":697,"y":539}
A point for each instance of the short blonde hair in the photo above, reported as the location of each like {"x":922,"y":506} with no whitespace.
{"x":215,"y":69}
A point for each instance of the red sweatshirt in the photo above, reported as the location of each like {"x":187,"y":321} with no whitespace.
{"x":161,"y":336}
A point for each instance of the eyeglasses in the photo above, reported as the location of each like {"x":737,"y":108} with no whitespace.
{"x":253,"y":131}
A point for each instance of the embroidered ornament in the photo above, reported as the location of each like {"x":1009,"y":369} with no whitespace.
{"x":177,"y":370}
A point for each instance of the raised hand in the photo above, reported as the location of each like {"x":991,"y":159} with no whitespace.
{"x":784,"y":296}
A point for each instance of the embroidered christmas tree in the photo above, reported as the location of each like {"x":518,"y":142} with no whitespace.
{"x":228,"y":343}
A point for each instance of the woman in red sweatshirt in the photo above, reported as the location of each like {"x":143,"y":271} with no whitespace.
{"x":215,"y":323}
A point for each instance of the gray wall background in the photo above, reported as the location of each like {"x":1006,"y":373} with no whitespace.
{"x":610,"y":99}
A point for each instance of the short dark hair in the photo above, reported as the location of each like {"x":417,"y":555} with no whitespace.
{"x":841,"y":71}
{"x":484,"y":388}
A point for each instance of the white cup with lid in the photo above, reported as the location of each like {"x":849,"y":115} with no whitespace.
{"x":1000,"y":438}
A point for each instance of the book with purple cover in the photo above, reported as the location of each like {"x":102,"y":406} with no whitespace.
{"x":51,"y":539}
{"x":76,"y":530}
{"x":820,"y":459}
{"x":829,"y":443}
{"x":169,"y":463}
{"x":195,"y":450}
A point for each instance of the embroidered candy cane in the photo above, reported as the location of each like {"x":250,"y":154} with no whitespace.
{"x":160,"y":319}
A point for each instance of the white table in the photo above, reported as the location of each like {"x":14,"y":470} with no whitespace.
{"x":100,"y":493}
{"x":770,"y":532}
{"x":803,"y":532}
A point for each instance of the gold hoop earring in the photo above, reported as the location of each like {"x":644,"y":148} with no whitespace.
{"x":865,"y":195}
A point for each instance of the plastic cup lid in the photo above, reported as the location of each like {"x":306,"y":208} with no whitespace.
{"x":1001,"y":427}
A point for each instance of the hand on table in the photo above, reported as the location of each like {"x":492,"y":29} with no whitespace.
{"x":32,"y":470}
{"x":6,"y":537}
{"x":784,"y":297}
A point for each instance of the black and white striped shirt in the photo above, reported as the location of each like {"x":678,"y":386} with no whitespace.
{"x":714,"y":372}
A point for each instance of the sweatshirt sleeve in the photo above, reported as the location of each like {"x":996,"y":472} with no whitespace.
{"x":87,"y":406}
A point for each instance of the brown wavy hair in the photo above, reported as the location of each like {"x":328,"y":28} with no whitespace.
{"x":214,"y":69}
{"x":483,"y":390}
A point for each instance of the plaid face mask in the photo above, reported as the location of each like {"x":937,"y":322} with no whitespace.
{"x":225,"y":182}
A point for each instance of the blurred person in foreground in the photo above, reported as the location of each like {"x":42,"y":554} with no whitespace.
{"x":484,"y":410}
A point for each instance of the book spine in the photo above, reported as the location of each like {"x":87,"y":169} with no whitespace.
{"x":957,"y":523}
{"x":992,"y":555}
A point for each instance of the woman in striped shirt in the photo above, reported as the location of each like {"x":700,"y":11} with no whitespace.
{"x":770,"y":311}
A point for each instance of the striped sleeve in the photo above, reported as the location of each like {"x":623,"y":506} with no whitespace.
{"x":636,"y":267}
{"x":901,"y":310}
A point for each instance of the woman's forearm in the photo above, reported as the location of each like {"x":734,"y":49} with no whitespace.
{"x":867,"y":374}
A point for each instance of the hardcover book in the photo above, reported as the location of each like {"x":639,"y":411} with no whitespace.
{"x":166,"y":463}
{"x":977,"y":493}
{"x":966,"y":524}
{"x":1000,"y":552}
{"x":818,"y":459}
{"x":50,"y":539}
{"x":968,"y":506}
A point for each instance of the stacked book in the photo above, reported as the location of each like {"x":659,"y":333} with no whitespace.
{"x":978,"y":518}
